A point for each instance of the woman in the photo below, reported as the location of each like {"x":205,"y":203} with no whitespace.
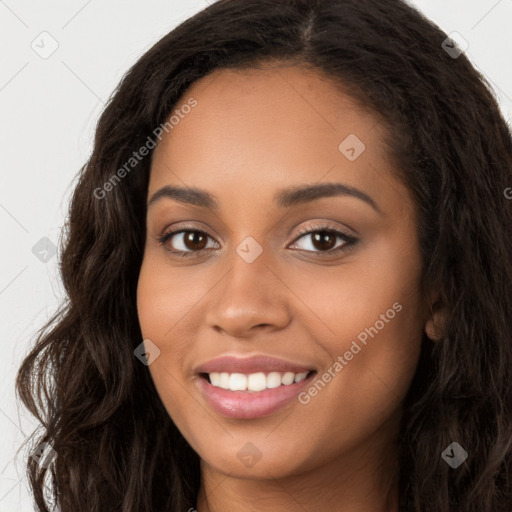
{"x":289,"y":276}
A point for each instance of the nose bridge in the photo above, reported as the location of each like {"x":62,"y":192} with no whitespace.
{"x":249,"y":294}
{"x":248,"y":280}
{"x":252,"y":261}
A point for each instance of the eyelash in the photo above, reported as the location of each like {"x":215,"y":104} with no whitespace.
{"x":349,"y":240}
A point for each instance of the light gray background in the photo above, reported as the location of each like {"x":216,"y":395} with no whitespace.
{"x":49,"y":107}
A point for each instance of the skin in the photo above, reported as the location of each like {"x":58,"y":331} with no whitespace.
{"x":252,"y":133}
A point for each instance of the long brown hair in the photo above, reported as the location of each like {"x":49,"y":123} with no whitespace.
{"x":117,"y":448}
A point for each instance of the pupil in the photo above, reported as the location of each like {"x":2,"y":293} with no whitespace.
{"x":193,"y":239}
{"x":322,"y":238}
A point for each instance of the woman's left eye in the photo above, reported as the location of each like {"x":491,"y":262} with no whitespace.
{"x":322,"y":240}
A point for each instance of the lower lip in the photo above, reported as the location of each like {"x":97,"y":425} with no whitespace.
{"x":248,"y":405}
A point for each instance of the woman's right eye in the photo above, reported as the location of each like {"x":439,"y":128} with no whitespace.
{"x":188,"y":241}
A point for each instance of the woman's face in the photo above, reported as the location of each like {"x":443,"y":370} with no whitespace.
{"x":251,"y":295}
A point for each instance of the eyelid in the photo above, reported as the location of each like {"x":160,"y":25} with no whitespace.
{"x":178,"y":227}
{"x":167,"y":234}
{"x":322,"y":226}
{"x":349,"y":240}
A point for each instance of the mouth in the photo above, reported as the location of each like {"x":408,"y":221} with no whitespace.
{"x":254,"y":382}
{"x":251,"y":387}
{"x":251,"y":396}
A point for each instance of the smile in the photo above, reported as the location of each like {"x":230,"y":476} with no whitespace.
{"x":255,"y":381}
{"x":248,"y":388}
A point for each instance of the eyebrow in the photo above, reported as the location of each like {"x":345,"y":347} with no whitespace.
{"x":284,"y":198}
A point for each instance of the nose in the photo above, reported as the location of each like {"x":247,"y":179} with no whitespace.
{"x":250,"y":298}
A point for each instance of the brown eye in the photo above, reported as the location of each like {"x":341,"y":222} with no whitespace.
{"x":185,"y":242}
{"x":195,"y":240}
{"x":323,"y":240}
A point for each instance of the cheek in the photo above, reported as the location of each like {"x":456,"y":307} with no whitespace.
{"x":165,"y":297}
{"x":361,"y":389}
{"x":369,"y":312}
{"x":165,"y":301}
{"x":341,"y":302}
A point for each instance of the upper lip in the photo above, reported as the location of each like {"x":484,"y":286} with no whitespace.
{"x":248,"y":365}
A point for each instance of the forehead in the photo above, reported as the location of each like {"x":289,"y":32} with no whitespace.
{"x":259,"y":129}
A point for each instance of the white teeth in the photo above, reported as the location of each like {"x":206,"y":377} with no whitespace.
{"x":287,"y":378}
{"x":300,"y":376}
{"x":215,"y":378}
{"x":254,"y":381}
{"x":273,"y":380}
{"x":224,"y":380}
{"x":237,"y":382}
